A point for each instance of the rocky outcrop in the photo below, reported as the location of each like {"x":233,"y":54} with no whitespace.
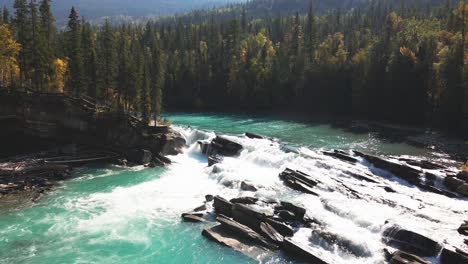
{"x":214,"y":159}
{"x":195,"y":218}
{"x":299,"y":251}
{"x":222,"y":206}
{"x":139,"y":156}
{"x":410,"y":241}
{"x":245,"y":232}
{"x":298,"y":181}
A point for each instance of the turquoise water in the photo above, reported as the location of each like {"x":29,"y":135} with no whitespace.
{"x":118,"y":215}
{"x":296,"y":131}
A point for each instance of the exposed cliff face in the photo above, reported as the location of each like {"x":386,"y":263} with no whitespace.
{"x":54,"y":118}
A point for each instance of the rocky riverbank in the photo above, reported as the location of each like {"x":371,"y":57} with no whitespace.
{"x":44,"y":136}
{"x":257,"y":226}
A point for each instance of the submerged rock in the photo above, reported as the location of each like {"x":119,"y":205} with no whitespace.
{"x":253,"y":136}
{"x":268,"y":231}
{"x":410,"y":241}
{"x":212,"y":160}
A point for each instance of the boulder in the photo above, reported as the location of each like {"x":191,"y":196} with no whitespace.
{"x":287,"y":215}
{"x":194,"y":218}
{"x":205,"y":147}
{"x":139,"y":156}
{"x":389,"y":189}
{"x":200,"y":208}
{"x":253,"y":136}
{"x":424,"y":164}
{"x":225,"y":147}
{"x":410,"y":241}
{"x":298,"y":181}
{"x":463,"y":229}
{"x":209,"y":197}
{"x":245,"y":232}
{"x":401,"y":257}
{"x":449,"y":256}
{"x":172,"y":143}
{"x":244,"y":200}
{"x":248,"y":186}
{"x":222,"y":206}
{"x":296,"y":250}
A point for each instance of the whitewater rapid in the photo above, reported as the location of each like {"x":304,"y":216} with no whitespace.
{"x":183,"y":185}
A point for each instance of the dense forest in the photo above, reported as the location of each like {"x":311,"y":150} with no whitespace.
{"x":401,"y":62}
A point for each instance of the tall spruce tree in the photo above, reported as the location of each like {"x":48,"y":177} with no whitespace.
{"x":75,"y":82}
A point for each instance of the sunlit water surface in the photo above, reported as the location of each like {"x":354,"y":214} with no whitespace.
{"x":120,"y":215}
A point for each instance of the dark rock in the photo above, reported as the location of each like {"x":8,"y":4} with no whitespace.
{"x":360,"y":177}
{"x":245,"y":232}
{"x":463,"y":175}
{"x":424,"y":164}
{"x":253,"y":136}
{"x":449,"y":256}
{"x":244,"y":200}
{"x":389,"y":189}
{"x":172,"y":143}
{"x":298,"y":181}
{"x":401,"y":257}
{"x":200,"y":208}
{"x":247,"y":216}
{"x":268,"y":231}
{"x":298,"y":211}
{"x":139,"y":156}
{"x":296,"y":250}
{"x":463,"y":189}
{"x":281,"y":228}
{"x":225,"y":147}
{"x":400,"y":170}
{"x":287,"y":215}
{"x":192,"y":218}
{"x":344,"y":244}
{"x":410,"y":241}
{"x":340,"y":155}
{"x":212,"y":160}
{"x":222,"y":206}
{"x":247,"y":186}
{"x":163,"y":159}
{"x":205,"y":147}
{"x":231,"y":240}
{"x":209,"y":197}
{"x":463,"y":229}
{"x":452,"y":183}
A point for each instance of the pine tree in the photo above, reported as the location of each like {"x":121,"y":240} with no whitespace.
{"x":75,"y":56}
{"x":23,"y":36}
{"x":107,"y":56}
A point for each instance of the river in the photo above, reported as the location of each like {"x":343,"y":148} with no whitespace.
{"x":119,"y":215}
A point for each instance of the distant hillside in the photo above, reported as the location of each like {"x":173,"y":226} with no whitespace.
{"x":93,"y":9}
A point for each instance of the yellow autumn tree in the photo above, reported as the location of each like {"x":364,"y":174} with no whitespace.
{"x":9,"y":49}
{"x":58,"y":76}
